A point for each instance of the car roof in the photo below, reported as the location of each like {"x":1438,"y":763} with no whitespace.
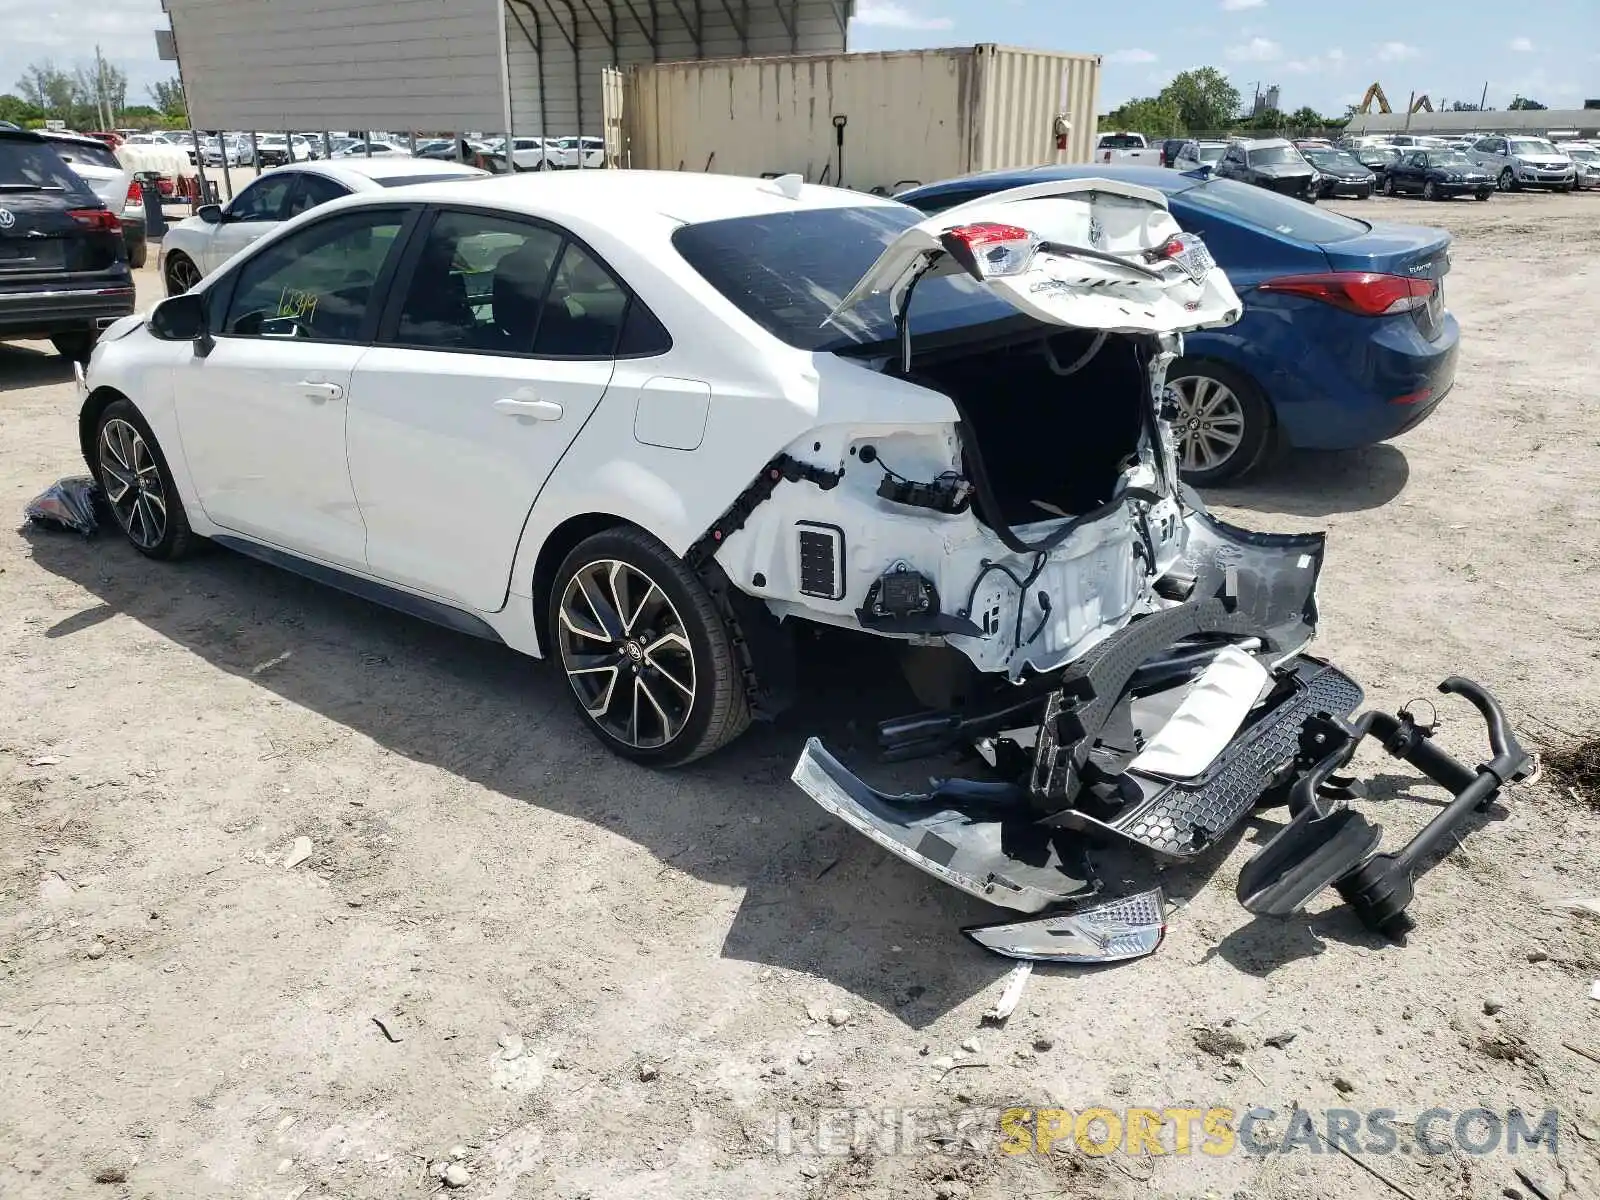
{"x":20,"y":135}
{"x":1163,"y":179}
{"x":612,"y":197}
{"x":362,"y":172}
{"x":1261,"y":143}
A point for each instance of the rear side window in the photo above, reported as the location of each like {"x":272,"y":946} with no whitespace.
{"x":28,"y":166}
{"x":96,"y":155}
{"x":787,"y":271}
{"x":1271,"y":211}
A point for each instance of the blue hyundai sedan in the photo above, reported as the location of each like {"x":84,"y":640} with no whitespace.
{"x":1345,"y":339}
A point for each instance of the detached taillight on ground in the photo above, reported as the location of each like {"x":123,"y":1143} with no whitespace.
{"x":135,"y":197}
{"x":1365,"y":293}
{"x":96,"y":218}
{"x":989,"y":248}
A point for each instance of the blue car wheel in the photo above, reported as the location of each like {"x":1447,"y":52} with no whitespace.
{"x":1223,"y":424}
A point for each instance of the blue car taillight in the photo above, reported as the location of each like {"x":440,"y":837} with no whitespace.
{"x":1365,"y":293}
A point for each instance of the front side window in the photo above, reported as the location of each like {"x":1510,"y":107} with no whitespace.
{"x":314,"y":190}
{"x":263,"y":199}
{"x":315,"y":284}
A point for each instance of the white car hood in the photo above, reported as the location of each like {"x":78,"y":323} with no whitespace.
{"x":1111,"y":223}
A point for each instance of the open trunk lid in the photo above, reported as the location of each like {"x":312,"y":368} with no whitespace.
{"x":1088,"y":253}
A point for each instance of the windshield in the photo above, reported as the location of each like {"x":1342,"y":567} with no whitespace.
{"x":1271,"y":211}
{"x":1583,"y":155}
{"x":1335,"y":160}
{"x":1450,"y":158}
{"x":1211,"y":153}
{"x":97,"y":155}
{"x":1531,"y":146}
{"x":1274,"y":156}
{"x":788,"y":271}
{"x":1122,"y":141}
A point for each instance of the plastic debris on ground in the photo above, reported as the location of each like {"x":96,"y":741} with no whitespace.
{"x":67,"y":504}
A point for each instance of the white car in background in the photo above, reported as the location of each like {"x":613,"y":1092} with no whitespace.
{"x":358,"y":149}
{"x":1585,"y":158}
{"x":1195,"y":155}
{"x":112,"y":181}
{"x":570,"y":152}
{"x":198,"y":245}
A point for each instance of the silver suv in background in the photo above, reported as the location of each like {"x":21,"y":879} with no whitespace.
{"x":1585,"y":158}
{"x":1518,"y":162}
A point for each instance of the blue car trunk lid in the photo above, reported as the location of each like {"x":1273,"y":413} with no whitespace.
{"x":1411,"y":251}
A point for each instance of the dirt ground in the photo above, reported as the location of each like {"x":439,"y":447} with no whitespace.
{"x":594,"y":981}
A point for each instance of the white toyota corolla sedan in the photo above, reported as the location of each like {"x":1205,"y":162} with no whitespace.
{"x":198,"y":245}
{"x":642,"y":422}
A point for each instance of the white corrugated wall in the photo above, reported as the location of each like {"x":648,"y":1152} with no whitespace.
{"x":1022,"y":93}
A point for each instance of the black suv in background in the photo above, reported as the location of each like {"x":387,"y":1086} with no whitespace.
{"x":1271,"y":163}
{"x":63,"y":263}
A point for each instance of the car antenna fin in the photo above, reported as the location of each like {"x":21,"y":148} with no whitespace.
{"x":788,"y":186}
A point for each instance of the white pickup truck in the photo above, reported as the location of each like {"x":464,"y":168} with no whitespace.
{"x":1126,"y":149}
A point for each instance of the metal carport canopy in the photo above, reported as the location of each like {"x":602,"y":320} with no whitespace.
{"x":535,"y":65}
{"x":558,"y":49}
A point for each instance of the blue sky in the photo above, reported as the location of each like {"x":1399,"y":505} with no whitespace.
{"x":1321,"y":54}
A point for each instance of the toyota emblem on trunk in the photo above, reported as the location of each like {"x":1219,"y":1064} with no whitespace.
{"x":7,"y":218}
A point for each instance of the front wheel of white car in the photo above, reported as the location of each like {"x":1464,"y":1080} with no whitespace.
{"x":649,"y":660}
{"x":181,"y":273}
{"x":1223,"y":425}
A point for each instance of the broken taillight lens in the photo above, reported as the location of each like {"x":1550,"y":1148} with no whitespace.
{"x":96,"y":218}
{"x":989,"y":248}
{"x":1128,"y":927}
{"x":1365,"y":293}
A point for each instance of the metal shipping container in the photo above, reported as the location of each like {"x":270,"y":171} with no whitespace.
{"x":880,"y":122}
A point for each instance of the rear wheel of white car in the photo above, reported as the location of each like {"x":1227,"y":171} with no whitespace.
{"x":181,"y":273}
{"x":1223,"y":424}
{"x":648,"y":658}
{"x":137,"y":483}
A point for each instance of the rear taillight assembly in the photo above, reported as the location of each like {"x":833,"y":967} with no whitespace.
{"x":96,"y":218}
{"x":1365,"y":293}
{"x":135,"y":197}
{"x":990,"y":248}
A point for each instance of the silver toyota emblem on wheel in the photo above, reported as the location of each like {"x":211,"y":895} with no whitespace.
{"x":7,"y":218}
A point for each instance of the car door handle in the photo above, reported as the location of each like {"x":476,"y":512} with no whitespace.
{"x":539,"y":410}
{"x":318,"y":390}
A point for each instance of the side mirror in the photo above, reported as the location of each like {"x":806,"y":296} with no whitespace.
{"x":211,"y":214}
{"x":181,"y":318}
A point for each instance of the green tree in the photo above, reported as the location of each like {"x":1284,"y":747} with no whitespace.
{"x":1204,"y":98}
{"x":1268,"y":119}
{"x":1306,"y":117}
{"x":1527,"y":104}
{"x":168,"y":97}
{"x":1462,"y":106}
{"x":48,"y":88}
{"x":1151,"y":115}
{"x":19,"y":111}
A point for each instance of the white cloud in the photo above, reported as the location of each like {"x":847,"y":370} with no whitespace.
{"x":1335,"y":56}
{"x":889,"y":15}
{"x":1331,"y":60}
{"x":1391,"y":52}
{"x":1241,"y":5}
{"x":1135,"y":55}
{"x":1257,"y":49}
{"x":1521,"y":45}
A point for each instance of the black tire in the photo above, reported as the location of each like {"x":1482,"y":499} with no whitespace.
{"x":138,"y":256}
{"x":1364,"y":194}
{"x":718,"y":710}
{"x":1566,"y":187}
{"x":1480,"y":196}
{"x":1388,"y":186}
{"x":172,"y":274}
{"x":1257,"y":439}
{"x":176,"y":538}
{"x":1430,"y":190}
{"x":76,"y":346}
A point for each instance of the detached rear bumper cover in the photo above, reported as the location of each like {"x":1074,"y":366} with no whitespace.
{"x":1021,"y":844}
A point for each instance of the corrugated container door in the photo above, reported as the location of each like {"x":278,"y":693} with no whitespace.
{"x":1021,"y":94}
{"x":612,"y":100}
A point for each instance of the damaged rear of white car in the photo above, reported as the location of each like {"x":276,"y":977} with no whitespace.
{"x":1131,"y":668}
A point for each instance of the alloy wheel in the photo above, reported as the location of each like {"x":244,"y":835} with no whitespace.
{"x":626,"y":653}
{"x":182,"y":275}
{"x":1210,"y":424}
{"x":132,"y":484}
{"x":1506,"y":180}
